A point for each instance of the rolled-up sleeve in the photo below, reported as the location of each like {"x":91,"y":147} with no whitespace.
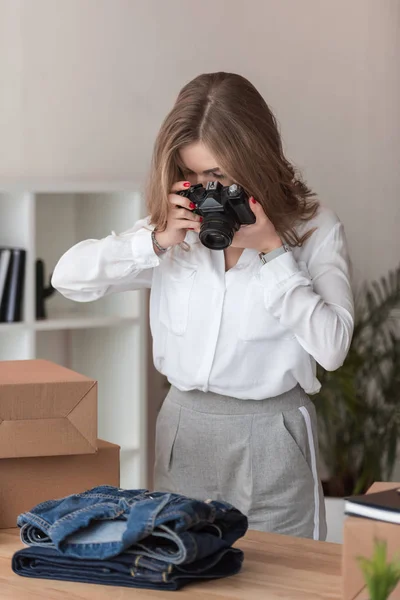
{"x":96,"y":267}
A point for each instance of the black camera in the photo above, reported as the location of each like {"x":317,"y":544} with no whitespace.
{"x":223,"y":208}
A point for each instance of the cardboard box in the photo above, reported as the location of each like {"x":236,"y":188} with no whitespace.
{"x":26,"y":482}
{"x":359,"y":537}
{"x":46,"y":410}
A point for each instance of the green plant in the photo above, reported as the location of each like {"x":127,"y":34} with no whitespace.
{"x":358,"y":406}
{"x":381,"y":576}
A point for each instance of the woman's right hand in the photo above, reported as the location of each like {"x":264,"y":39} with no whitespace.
{"x":180,"y":218}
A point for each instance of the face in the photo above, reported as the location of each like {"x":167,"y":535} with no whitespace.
{"x":200,"y":166}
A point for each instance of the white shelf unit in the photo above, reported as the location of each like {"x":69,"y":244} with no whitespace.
{"x":106,"y":339}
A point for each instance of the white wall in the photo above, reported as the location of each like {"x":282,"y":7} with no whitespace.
{"x":86,"y":83}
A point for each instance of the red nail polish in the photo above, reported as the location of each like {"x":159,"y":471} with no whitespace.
{"x":191,"y":205}
{"x":254,"y":201}
{"x":201,"y":219}
{"x":190,"y":228}
{"x":186,"y":184}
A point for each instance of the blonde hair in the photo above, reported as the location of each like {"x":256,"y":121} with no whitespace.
{"x":227,"y":114}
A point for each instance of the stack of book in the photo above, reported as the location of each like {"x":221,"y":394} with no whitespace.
{"x":381,"y":506}
{"x":12,"y":279}
{"x":370,"y":517}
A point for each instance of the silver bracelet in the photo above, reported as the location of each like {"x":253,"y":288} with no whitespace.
{"x":157,"y":245}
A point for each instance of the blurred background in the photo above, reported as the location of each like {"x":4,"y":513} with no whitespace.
{"x":85,"y":85}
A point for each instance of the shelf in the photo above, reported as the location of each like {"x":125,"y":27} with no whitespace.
{"x":70,"y":321}
{"x":12,"y":327}
{"x":130,"y":450}
{"x":75,"y":321}
{"x":105,"y":340}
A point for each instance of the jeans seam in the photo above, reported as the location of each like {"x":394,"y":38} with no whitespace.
{"x":177,"y":514}
{"x":73,"y":515}
{"x":36,"y":520}
{"x":149,"y":526}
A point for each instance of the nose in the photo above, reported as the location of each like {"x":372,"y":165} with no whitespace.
{"x":195,"y":179}
{"x":203,"y":179}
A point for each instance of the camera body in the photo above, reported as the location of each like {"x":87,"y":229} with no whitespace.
{"x":223,"y":208}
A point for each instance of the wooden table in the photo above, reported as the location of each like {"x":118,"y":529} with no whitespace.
{"x":275,"y":567}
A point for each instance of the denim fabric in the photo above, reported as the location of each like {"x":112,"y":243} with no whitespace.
{"x":125,"y":569}
{"x":103,"y":522}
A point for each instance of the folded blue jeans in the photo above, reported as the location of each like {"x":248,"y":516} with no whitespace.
{"x":124,"y":570}
{"x":105,"y":521}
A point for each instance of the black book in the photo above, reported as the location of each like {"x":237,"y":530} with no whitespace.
{"x":13,"y":288}
{"x":381,"y":506}
{"x":5,"y":259}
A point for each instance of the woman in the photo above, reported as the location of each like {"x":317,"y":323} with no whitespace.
{"x":238,"y":332}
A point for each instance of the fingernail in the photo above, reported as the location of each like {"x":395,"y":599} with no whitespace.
{"x":254,"y":201}
{"x":186,"y":184}
{"x":201,"y":218}
{"x":191,"y":205}
{"x":190,"y":228}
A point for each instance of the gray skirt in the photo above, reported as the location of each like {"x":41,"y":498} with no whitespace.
{"x":259,"y":455}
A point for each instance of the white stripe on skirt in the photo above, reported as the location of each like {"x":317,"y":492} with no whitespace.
{"x":307,"y":419}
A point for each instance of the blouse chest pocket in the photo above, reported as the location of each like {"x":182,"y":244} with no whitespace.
{"x":257,"y":323}
{"x":176,"y":288}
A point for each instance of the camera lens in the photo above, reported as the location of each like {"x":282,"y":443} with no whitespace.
{"x":217,"y":232}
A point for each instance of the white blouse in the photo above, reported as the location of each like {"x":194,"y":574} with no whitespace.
{"x":252,"y":332}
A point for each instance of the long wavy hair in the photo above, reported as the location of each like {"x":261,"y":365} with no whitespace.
{"x":227,"y":114}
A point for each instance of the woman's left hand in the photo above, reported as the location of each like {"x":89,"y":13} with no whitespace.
{"x":261,"y":235}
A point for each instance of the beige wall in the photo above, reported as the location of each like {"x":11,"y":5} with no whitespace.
{"x":85,"y":84}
